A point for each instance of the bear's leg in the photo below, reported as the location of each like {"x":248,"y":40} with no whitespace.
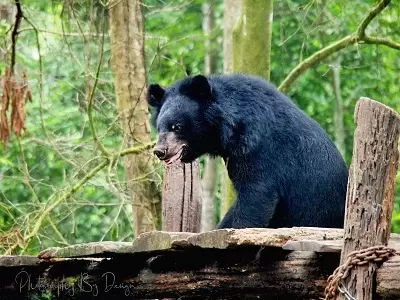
{"x":227,"y":221}
{"x":251,"y":209}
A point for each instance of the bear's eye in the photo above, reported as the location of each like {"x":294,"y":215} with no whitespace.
{"x":176,"y":127}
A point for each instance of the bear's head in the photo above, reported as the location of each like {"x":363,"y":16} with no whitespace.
{"x":180,"y":118}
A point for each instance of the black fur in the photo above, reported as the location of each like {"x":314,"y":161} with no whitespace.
{"x":285,"y":169}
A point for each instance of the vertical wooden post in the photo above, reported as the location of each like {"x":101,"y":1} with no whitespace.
{"x":181,"y":209}
{"x":370,"y":189}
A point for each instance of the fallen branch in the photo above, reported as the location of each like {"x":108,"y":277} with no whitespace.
{"x":14,"y":34}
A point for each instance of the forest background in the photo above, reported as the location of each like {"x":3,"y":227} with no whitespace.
{"x":72,"y":121}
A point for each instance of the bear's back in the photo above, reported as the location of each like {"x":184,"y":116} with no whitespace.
{"x":308,"y":169}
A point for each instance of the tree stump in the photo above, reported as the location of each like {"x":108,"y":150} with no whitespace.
{"x":370,"y":189}
{"x":181,"y":208}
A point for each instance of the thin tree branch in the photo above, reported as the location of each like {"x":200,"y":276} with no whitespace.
{"x":90,"y":101}
{"x":370,"y":16}
{"x":357,"y":37}
{"x":14,"y":34}
{"x":41,"y":114}
{"x":381,"y":41}
{"x":75,"y":34}
{"x":314,"y":59}
{"x":43,"y":214}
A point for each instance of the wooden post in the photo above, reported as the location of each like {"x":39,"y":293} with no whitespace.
{"x":370,"y":189}
{"x":181,"y":209}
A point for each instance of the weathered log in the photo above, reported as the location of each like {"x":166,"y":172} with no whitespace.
{"x":295,"y":239}
{"x":181,"y":208}
{"x":370,"y":190}
{"x":195,"y":273}
{"x":18,"y":261}
{"x":269,"y":273}
{"x":388,"y":278}
{"x":87,"y":249}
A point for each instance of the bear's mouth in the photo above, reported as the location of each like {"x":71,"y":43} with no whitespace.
{"x":178,"y":155}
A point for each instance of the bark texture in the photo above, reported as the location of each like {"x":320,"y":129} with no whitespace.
{"x":210,"y":53}
{"x":241,"y":273}
{"x":7,"y":14}
{"x":232,"y":9}
{"x":181,"y":209}
{"x":388,"y":279}
{"x":209,"y":186}
{"x":127,"y":64}
{"x":252,"y":38}
{"x":340,"y":133}
{"x":251,"y":51}
{"x":246,"y":263}
{"x":209,"y":180}
{"x":319,"y":240}
{"x":370,"y":190}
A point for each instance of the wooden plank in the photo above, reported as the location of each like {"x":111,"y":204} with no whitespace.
{"x":370,"y":190}
{"x":330,"y":245}
{"x":160,"y":240}
{"x":18,"y":261}
{"x":334,"y":246}
{"x":88,"y":249}
{"x":294,"y":239}
{"x":225,"y":238}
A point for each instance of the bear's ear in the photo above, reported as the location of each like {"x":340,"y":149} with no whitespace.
{"x":198,"y":88}
{"x":155,"y":94}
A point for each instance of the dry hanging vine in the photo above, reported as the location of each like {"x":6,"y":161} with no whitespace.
{"x":15,"y":91}
{"x":15,"y":94}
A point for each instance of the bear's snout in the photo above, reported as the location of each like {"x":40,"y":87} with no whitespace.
{"x":160,"y":152}
{"x":169,"y":147}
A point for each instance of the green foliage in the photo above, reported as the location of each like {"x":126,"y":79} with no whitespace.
{"x":302,"y":27}
{"x":175,"y":41}
{"x":57,"y":148}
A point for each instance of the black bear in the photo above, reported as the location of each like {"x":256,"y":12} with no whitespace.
{"x":285,"y":169}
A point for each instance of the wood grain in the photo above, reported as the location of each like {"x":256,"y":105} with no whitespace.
{"x":370,"y":190}
{"x":181,"y":210}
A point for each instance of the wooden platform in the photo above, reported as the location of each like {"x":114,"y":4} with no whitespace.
{"x":287,"y":263}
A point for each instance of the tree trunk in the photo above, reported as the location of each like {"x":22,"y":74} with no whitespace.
{"x":370,"y":190}
{"x":210,"y":54}
{"x":127,"y":64}
{"x":232,"y":10}
{"x":209,"y":181}
{"x":209,"y":186}
{"x":340,"y":134}
{"x":251,"y":51}
{"x":7,"y":14}
{"x":252,"y":38}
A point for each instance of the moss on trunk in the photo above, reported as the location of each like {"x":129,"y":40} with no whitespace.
{"x":251,"y":47}
{"x":252,"y":38}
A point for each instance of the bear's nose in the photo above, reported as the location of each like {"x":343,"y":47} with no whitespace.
{"x":160,"y":152}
